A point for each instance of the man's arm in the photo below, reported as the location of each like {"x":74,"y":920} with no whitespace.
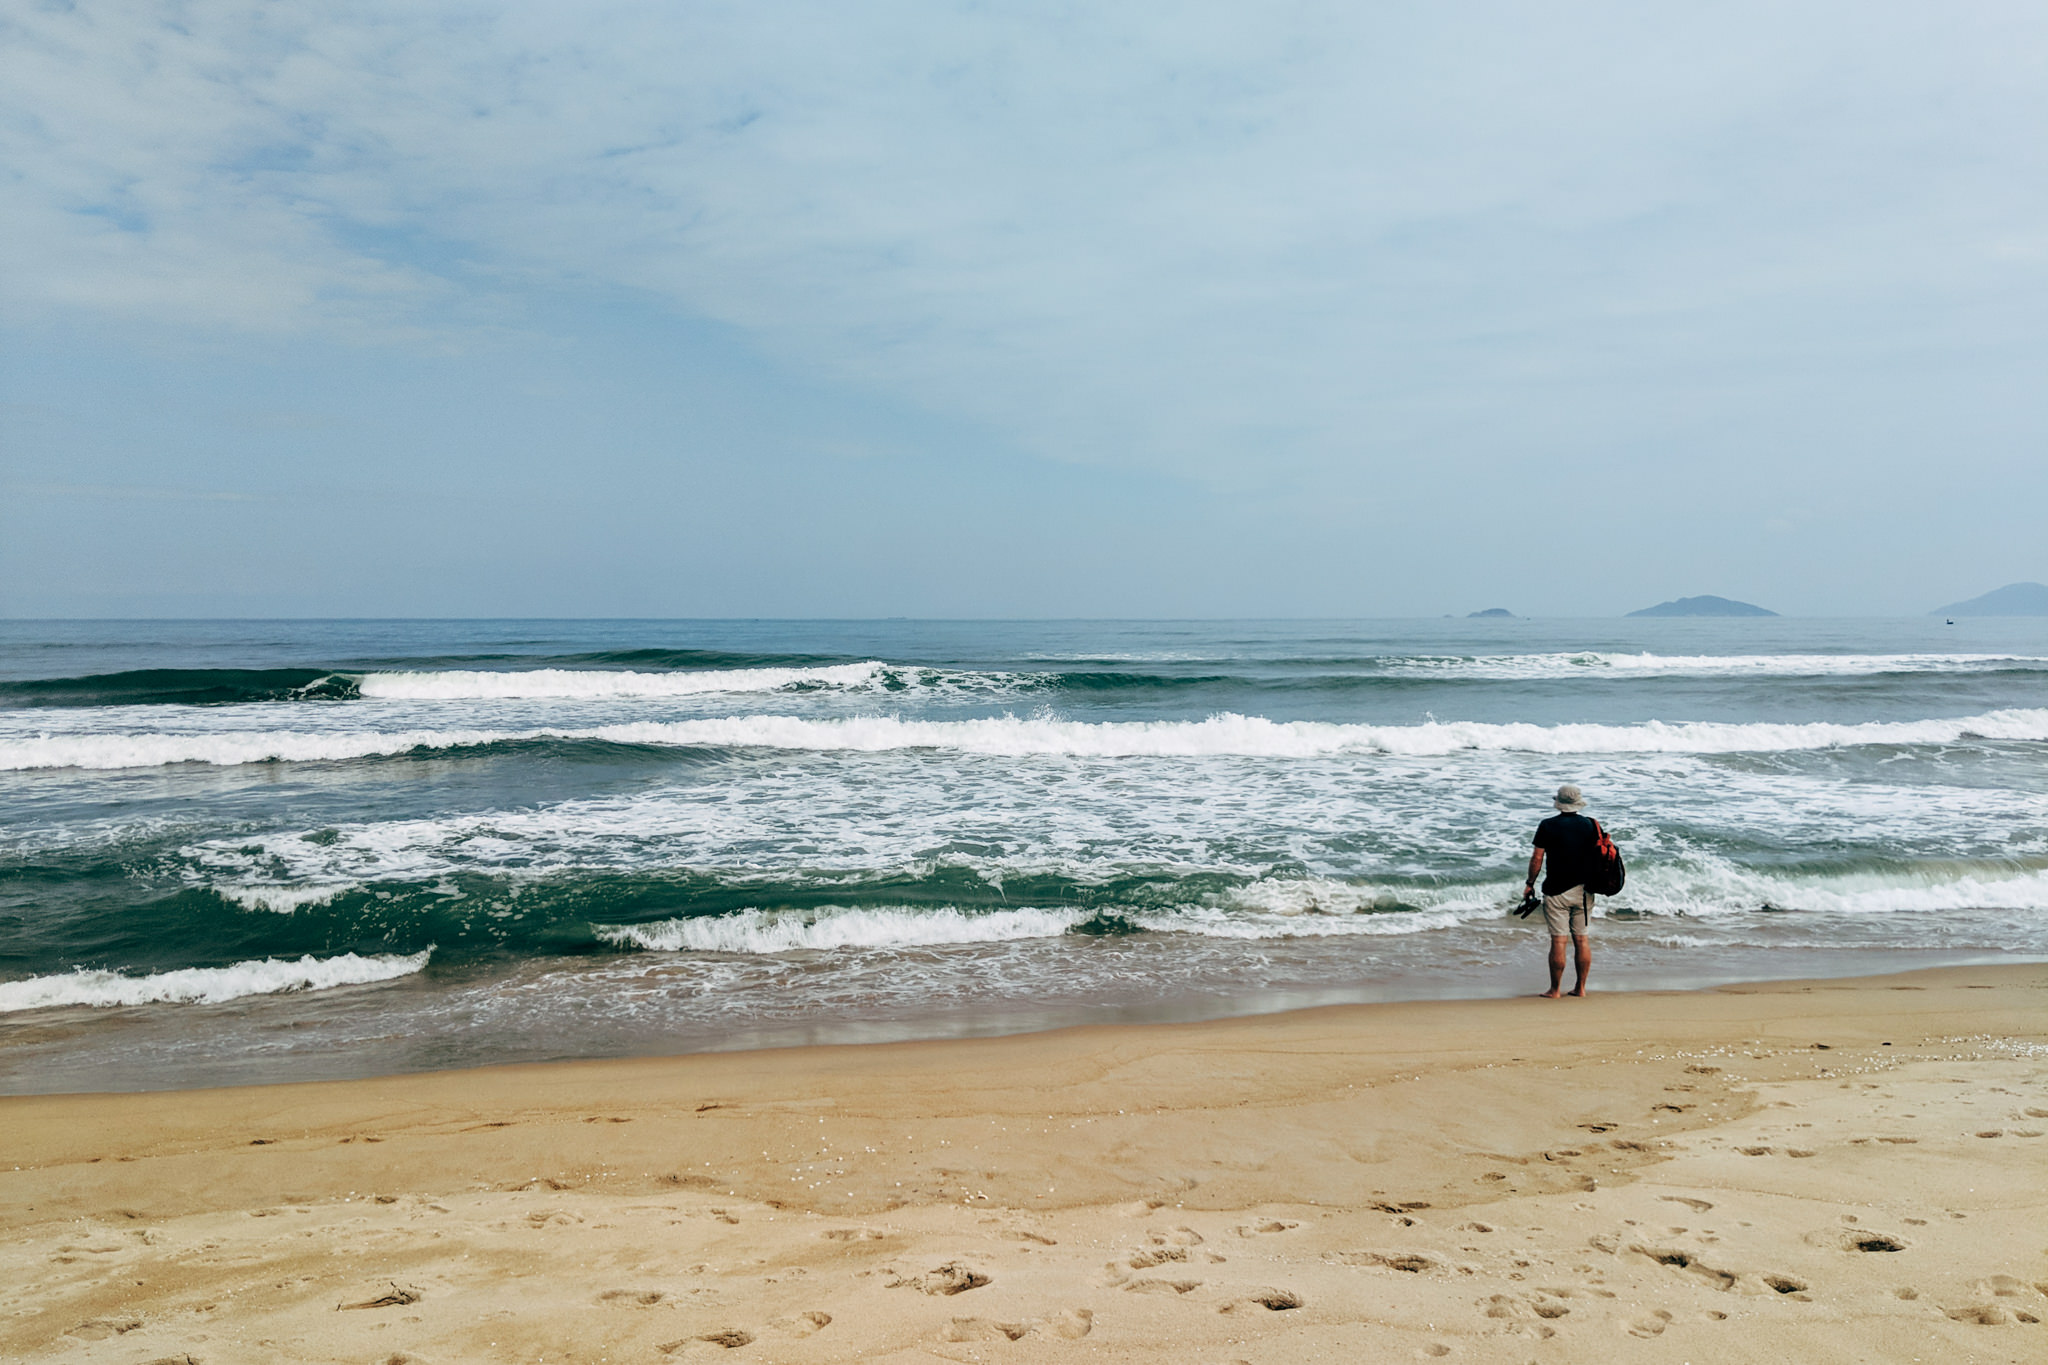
{"x":1535,"y":868}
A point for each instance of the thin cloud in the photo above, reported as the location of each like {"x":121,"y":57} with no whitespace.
{"x":1249,"y":245}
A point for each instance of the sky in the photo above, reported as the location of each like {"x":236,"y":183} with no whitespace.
{"x":1015,"y":310}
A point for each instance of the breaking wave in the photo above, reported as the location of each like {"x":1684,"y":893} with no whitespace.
{"x":603,"y":684}
{"x":205,"y":985}
{"x":783,"y":931}
{"x":1223,"y":735}
{"x":1593,"y":663}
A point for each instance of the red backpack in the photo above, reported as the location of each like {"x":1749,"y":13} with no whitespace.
{"x":1608,"y":873}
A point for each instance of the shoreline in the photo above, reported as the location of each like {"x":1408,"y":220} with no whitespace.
{"x":53,"y":1048}
{"x":1158,"y":1189}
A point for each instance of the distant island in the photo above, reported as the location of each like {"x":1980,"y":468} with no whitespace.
{"x":1490,"y":614}
{"x":1704,"y":606}
{"x":2014,"y":599}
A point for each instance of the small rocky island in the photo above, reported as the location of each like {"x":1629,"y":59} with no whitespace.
{"x":2014,"y":599}
{"x":1704,"y":606}
{"x":1490,"y":614}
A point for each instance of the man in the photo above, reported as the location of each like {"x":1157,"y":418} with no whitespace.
{"x":1570,"y":840}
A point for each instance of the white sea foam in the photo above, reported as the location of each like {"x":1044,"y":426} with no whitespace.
{"x":603,"y":684}
{"x":1714,"y":886}
{"x":1224,"y":735}
{"x":782,"y":931}
{"x":227,"y":748}
{"x":279,"y":900}
{"x":207,"y":985}
{"x":1594,"y":663}
{"x":1216,"y":922}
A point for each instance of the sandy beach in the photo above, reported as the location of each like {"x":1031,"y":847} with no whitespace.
{"x":1836,"y":1170}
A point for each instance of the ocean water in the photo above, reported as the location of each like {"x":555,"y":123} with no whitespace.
{"x":257,"y":851}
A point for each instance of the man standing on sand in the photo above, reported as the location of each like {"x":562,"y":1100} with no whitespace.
{"x":1570,"y":839}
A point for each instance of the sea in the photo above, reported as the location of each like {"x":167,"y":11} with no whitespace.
{"x":239,"y":852}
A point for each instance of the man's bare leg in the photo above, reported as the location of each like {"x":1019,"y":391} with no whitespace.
{"x":1557,"y":966}
{"x":1583,"y":949}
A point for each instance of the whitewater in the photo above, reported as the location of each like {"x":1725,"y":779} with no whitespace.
{"x":258,"y":851}
{"x":1218,"y":735}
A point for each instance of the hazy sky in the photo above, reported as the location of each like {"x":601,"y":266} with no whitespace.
{"x":1019,"y":309}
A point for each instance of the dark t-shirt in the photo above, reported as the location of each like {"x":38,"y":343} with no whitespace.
{"x":1568,"y":842}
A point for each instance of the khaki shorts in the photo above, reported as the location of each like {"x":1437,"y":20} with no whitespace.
{"x":1566,"y":912}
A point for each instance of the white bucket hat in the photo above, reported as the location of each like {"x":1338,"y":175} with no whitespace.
{"x":1569,"y":799}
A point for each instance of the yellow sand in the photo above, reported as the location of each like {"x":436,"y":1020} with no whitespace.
{"x":1665,"y":1177}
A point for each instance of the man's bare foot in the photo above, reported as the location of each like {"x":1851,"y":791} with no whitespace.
{"x":1579,"y":993}
{"x":1550,"y":994}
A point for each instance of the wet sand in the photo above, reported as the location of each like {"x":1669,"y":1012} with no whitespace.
{"x":1838,"y":1170}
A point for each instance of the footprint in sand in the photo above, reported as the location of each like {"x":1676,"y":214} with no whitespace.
{"x":950,"y":1278}
{"x":1696,"y":1205}
{"x":802,"y":1325}
{"x":99,"y":1329}
{"x":1162,"y":1286}
{"x":644,"y":1298}
{"x":1074,"y":1323}
{"x":1686,"y":1261}
{"x":1650,"y":1326}
{"x":552,"y":1218}
{"x":730,"y":1338}
{"x":1408,"y":1262}
{"x":981,"y":1329}
{"x":2009,"y":1287}
{"x":1271,"y":1300}
{"x":1982,"y":1314}
{"x":850,"y":1234}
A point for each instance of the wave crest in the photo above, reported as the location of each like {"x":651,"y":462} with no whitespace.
{"x":783,"y":931}
{"x":603,"y":684}
{"x":1223,"y":735}
{"x":206,"y":985}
